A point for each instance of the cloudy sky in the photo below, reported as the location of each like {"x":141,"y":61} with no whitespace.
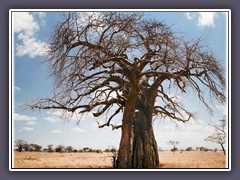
{"x":31,"y":31}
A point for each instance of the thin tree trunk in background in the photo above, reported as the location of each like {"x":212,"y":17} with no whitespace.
{"x":223,"y":149}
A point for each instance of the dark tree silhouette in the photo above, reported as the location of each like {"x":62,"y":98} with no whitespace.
{"x":174,"y":144}
{"x":69,"y":148}
{"x":36,"y":147}
{"x":219,"y":136}
{"x":189,"y":149}
{"x":87,"y":149}
{"x":20,"y":144}
{"x":59,"y":148}
{"x":123,"y":61}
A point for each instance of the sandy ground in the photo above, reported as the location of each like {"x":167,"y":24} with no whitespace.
{"x":104,"y":160}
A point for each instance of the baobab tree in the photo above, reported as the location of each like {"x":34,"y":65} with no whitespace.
{"x":125,"y":62}
{"x":20,"y":144}
{"x":219,"y":136}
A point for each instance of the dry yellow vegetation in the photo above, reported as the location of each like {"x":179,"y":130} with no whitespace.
{"x":192,"y":159}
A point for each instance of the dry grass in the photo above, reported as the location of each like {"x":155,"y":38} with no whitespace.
{"x":192,"y":159}
{"x":104,"y":160}
{"x":62,"y":160}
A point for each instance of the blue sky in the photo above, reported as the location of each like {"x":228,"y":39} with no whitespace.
{"x":31,"y":31}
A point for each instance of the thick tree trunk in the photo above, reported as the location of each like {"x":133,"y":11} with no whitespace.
{"x":138,"y":147}
{"x":145,"y":149}
{"x":125,"y":149}
{"x":124,"y":159}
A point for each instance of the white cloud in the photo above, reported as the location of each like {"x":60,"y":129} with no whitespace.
{"x":55,"y":113}
{"x":176,"y":98}
{"x":30,"y":46}
{"x":78,"y":129}
{"x":16,"y":88}
{"x":189,"y":16}
{"x":57,"y":131}
{"x":60,"y":115}
{"x":31,"y":123}
{"x":40,"y":14}
{"x":24,"y":22}
{"x":19,"y":117}
{"x":26,"y":27}
{"x":52,"y":119}
{"x":204,"y":19}
{"x":96,"y":124}
{"x":27,"y":128}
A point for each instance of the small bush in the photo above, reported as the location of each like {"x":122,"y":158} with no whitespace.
{"x":189,"y":149}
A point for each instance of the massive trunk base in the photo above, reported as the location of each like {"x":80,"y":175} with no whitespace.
{"x":145,"y":149}
{"x":142,"y":150}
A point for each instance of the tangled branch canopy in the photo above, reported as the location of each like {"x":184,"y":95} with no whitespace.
{"x":95,"y":56}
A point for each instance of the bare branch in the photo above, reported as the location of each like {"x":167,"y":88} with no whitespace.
{"x":102,"y":59}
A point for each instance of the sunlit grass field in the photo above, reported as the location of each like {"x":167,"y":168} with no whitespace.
{"x":185,"y":159}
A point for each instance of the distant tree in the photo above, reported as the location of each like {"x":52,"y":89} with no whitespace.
{"x":219,"y":136}
{"x":107,"y":150}
{"x":174,"y":149}
{"x":36,"y":147}
{"x":197,"y":148}
{"x":69,"y":149}
{"x":50,"y":148}
{"x":20,"y":144}
{"x":75,"y":150}
{"x":203,"y":149}
{"x":98,"y":151}
{"x":189,"y":149}
{"x":59,"y":148}
{"x":27,"y":147}
{"x":174,"y":144}
{"x":81,"y":150}
{"x":87,"y":149}
{"x":113,"y":150}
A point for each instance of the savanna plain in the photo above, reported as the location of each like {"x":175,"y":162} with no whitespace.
{"x":168,"y":159}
